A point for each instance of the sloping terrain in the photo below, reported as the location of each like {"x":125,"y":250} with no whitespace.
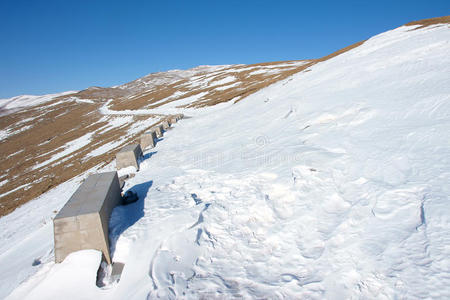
{"x":38,"y":132}
{"x":56,"y":137}
{"x":330,"y":183}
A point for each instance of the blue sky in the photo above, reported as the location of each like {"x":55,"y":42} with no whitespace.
{"x":55,"y":46}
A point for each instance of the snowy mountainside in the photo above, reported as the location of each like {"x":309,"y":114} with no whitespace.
{"x":331,"y":183}
{"x":20,"y":102}
{"x":53,"y":138}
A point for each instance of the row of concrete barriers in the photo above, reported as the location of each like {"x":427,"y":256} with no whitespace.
{"x":130,"y":154}
{"x":83,"y":221}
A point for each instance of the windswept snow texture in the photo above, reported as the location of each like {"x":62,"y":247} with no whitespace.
{"x":332,"y":184}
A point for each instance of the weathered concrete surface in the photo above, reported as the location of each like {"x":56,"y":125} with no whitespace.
{"x":158,"y":130}
{"x":128,"y":156}
{"x":83,"y":221}
{"x":148,"y":139}
{"x":165,"y":124}
{"x":173,"y":119}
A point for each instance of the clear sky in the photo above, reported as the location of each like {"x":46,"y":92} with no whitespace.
{"x":55,"y":46}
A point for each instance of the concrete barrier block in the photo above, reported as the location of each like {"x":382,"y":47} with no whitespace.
{"x":165,"y":124}
{"x":128,"y":156}
{"x":68,"y":224}
{"x":83,"y":221}
{"x":173,"y":119}
{"x":158,"y":130}
{"x":148,"y":139}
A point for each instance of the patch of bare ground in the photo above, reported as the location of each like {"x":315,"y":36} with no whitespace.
{"x":429,"y":22}
{"x":99,"y":93}
{"x":149,"y":99}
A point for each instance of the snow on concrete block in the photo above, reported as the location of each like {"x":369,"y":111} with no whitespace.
{"x":148,"y":139}
{"x":128,"y":156}
{"x":83,"y":221}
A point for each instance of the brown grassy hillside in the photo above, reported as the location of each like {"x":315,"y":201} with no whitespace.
{"x":429,"y":22}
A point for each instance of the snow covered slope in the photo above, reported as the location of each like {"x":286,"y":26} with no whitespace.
{"x":333,"y":183}
{"x":53,"y":138}
{"x":23,"y":101}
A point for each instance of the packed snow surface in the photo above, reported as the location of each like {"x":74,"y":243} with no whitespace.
{"x":332,"y":184}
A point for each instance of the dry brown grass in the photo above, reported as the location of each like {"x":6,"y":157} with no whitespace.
{"x":248,"y":83}
{"x":429,"y":22}
{"x":339,"y":52}
{"x":53,"y":127}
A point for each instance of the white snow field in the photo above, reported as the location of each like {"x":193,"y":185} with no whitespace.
{"x":331,"y":184}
